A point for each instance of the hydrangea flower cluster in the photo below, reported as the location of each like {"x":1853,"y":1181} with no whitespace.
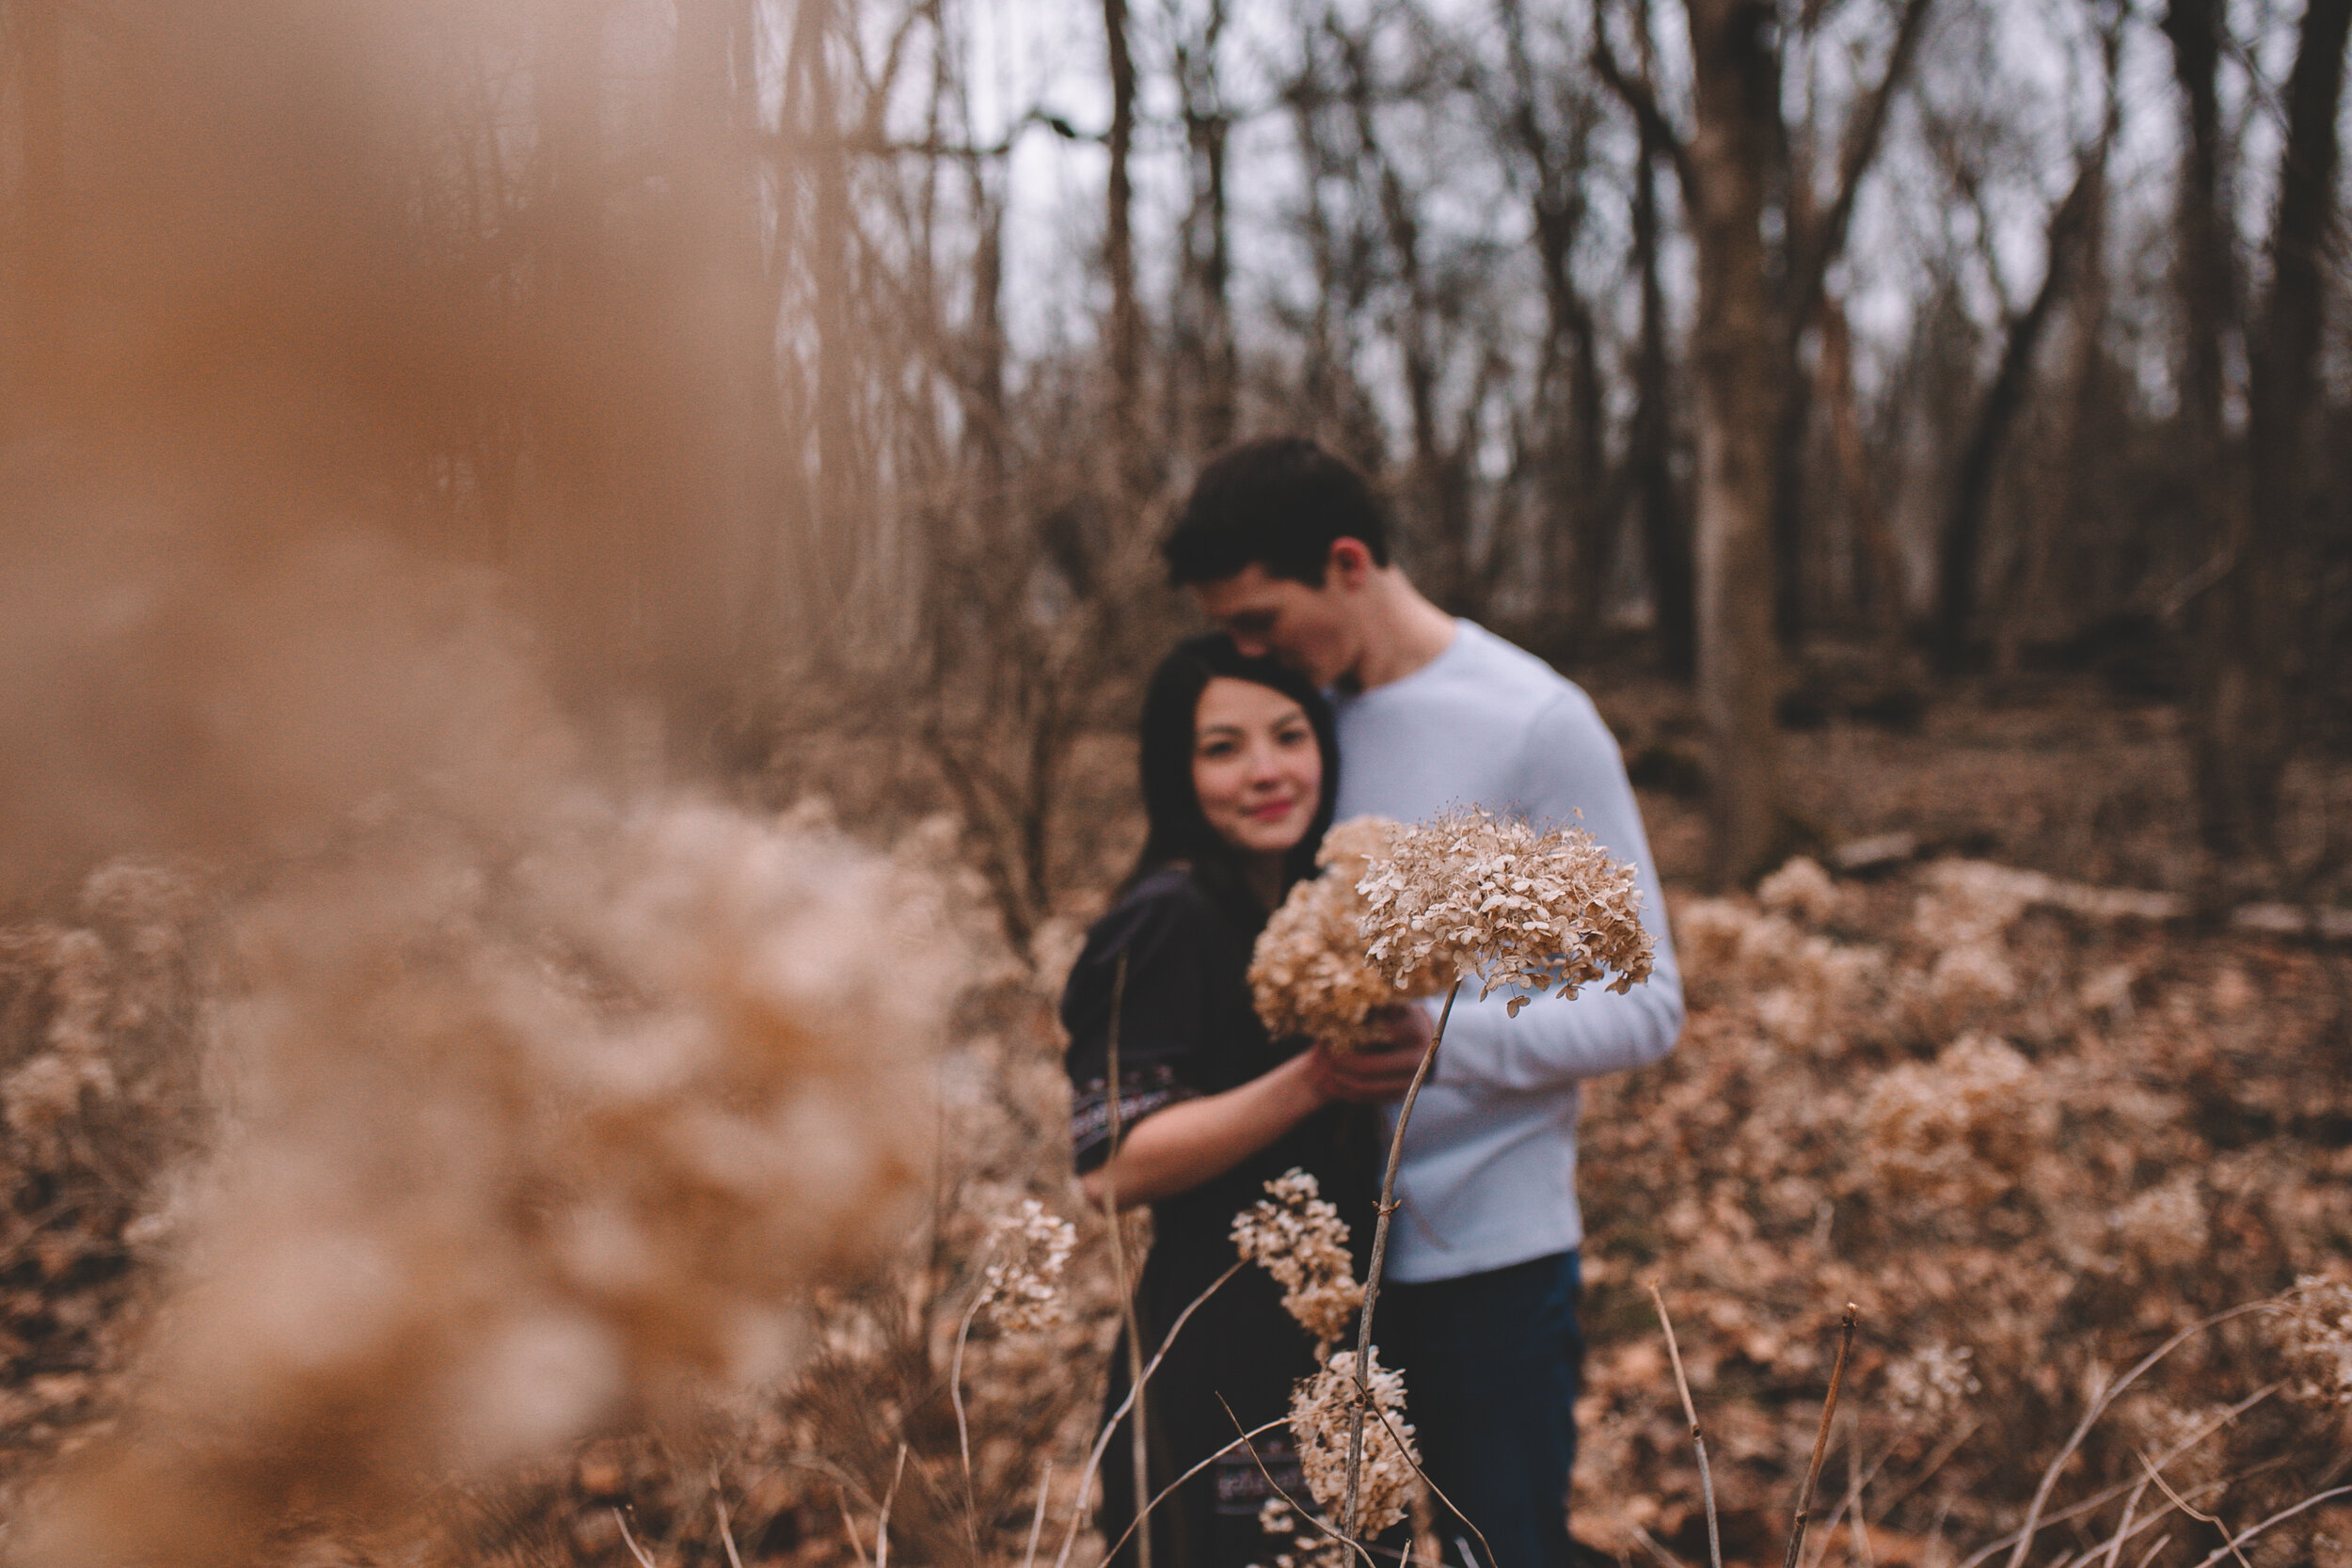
{"x":1402,"y":911}
{"x":2318,"y":1333}
{"x":1299,"y":1237}
{"x":1322,"y":1411}
{"x":1309,"y":975}
{"x":1471,"y":893}
{"x":1962,"y":1129}
{"x":1021,"y":1290}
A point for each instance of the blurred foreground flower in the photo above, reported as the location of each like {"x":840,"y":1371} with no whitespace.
{"x":522,"y":1138}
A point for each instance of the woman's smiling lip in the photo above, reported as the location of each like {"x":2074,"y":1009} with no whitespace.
{"x":1272,"y":811}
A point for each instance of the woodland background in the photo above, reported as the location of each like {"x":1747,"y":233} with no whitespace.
{"x":1921,"y":423}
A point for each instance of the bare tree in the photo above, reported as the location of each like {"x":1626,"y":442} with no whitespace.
{"x":2254,"y":617}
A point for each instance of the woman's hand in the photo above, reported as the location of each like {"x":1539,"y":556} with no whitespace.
{"x":1378,"y":1073}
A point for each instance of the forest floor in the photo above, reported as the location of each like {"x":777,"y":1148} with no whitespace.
{"x":2031,"y":1134}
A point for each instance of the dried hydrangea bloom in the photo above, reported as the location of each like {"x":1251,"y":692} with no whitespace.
{"x":1322,"y":1411}
{"x":1800,"y":888}
{"x":2318,"y":1323}
{"x":1474,"y":893}
{"x":1022,"y":1289}
{"x":2166,"y":1225}
{"x":1299,"y":1237}
{"x":1961,"y":1130}
{"x":1930,"y":1382}
{"x":1309,"y":975}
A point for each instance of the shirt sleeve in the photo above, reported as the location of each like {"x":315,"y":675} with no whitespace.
{"x":1161,"y":1024}
{"x":1571,"y":774}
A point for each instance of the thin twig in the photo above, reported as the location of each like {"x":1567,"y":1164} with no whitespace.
{"x":1435,"y":1489}
{"x":1657,"y":1550}
{"x":630,"y":1541}
{"x":1698,"y":1440}
{"x":2279,"y":1518}
{"x":1164,"y":1492}
{"x":1244,"y":1440}
{"x":727,"y":1526}
{"x":1139,"y":1439}
{"x":857,"y":1541}
{"x":1857,"y":1527}
{"x":882,"y":1525}
{"x":1379,"y":1260}
{"x":1037,"y":1523}
{"x":1820,"y":1441}
{"x":2102,"y":1496}
{"x":2182,"y":1503}
{"x":1110,"y":1424}
{"x":964,"y":1430}
{"x":2098,"y":1406}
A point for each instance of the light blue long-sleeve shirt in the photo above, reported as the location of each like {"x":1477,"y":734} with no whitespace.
{"x":1489,"y":1177}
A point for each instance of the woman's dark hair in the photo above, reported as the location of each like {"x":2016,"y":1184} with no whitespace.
{"x":1178,"y":831}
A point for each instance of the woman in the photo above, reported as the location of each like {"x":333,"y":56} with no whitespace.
{"x":1239,"y":777}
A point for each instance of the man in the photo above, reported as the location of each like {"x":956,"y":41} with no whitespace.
{"x":1284,"y":545}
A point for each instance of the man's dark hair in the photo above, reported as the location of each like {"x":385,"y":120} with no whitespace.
{"x":1276,"y":503}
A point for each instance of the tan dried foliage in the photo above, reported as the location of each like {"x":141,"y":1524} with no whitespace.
{"x":2032,"y":1132}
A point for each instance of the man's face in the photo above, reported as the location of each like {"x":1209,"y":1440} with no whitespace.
{"x":1313,"y":630}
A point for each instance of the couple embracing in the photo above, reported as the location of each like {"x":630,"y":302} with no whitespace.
{"x":1334,"y":690}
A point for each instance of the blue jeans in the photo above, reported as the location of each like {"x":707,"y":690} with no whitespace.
{"x":1491,"y":1363}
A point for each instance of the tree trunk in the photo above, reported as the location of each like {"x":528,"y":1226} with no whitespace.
{"x":1118,"y":257}
{"x":1736,"y":76}
{"x":2227,"y":680}
{"x":1960,"y":550}
{"x":2254,"y":616}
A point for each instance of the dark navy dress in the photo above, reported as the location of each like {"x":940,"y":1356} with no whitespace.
{"x":1188,"y":1029}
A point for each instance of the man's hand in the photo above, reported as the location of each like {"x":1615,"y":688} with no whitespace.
{"x":1381,"y":1071}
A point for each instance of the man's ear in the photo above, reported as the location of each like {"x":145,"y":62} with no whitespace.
{"x":1349,"y":564}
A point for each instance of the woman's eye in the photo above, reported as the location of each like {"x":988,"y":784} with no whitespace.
{"x":1216,"y":749}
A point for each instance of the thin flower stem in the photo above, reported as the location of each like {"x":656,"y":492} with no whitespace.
{"x":1145,"y":1512}
{"x":1435,"y":1489}
{"x":1140,"y":1443}
{"x":1103,"y":1439}
{"x":2280,"y":1517}
{"x":2100,"y":1498}
{"x":630,"y":1541}
{"x":964,"y":1430}
{"x":2098,"y":1406}
{"x":882,"y":1523}
{"x":2156,"y":1474}
{"x":1698,"y":1440}
{"x":1379,"y":1260}
{"x":727,"y":1528}
{"x":1037,"y":1523}
{"x":1349,"y":1542}
{"x":1820,"y":1441}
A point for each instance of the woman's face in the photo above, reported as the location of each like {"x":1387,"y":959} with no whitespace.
{"x":1255,"y":765}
